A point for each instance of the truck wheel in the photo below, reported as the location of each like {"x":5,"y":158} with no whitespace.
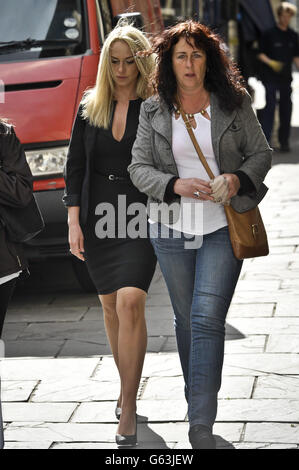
{"x":82,"y":275}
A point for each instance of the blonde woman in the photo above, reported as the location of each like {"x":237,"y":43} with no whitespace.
{"x":96,"y":176}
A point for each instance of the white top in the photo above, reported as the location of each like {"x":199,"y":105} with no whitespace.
{"x":9,"y":277}
{"x":196,"y":217}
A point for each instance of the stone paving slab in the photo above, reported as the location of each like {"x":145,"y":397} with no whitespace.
{"x":15,"y":390}
{"x":266,"y":325}
{"x":163,"y":388}
{"x":80,"y":348}
{"x":272,"y":432}
{"x":27,"y":445}
{"x":170,"y":345}
{"x":11,"y":331}
{"x":38,"y":300}
{"x":276,"y":386}
{"x":89,"y":331}
{"x":155,"y":365}
{"x":250,"y":310}
{"x":32,"y":348}
{"x":140,"y":445}
{"x":148,"y":410}
{"x":51,"y":412}
{"x":283,"y":343}
{"x":267,"y":297}
{"x":282,"y":249}
{"x":45,"y":314}
{"x":262,"y":445}
{"x":78,"y":389}
{"x":287,"y":308}
{"x":263,"y":276}
{"x":252,"y":285}
{"x":163,"y":327}
{"x":60,"y":432}
{"x":250,"y":344}
{"x":35,"y":369}
{"x":260,"y":364}
{"x":284,"y":410}
{"x":78,"y":299}
{"x":158,"y":300}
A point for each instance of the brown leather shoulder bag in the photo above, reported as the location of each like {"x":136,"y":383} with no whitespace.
{"x":246,"y":230}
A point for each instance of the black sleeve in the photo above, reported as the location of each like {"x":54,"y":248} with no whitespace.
{"x":15,"y":175}
{"x":296,"y":48}
{"x":265,"y":44}
{"x":169,"y":194}
{"x":247,"y":185}
{"x":74,"y":169}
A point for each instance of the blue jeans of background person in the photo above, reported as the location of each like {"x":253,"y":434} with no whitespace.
{"x":201,"y":282}
{"x":266,"y":115}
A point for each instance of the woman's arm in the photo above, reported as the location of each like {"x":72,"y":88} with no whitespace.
{"x":144,"y":175}
{"x":74,"y":169}
{"x":76,"y":239}
{"x":73,"y":174}
{"x":15,"y":174}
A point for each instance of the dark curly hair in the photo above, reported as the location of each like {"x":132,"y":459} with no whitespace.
{"x":222,"y":76}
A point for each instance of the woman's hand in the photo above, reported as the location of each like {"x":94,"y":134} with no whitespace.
{"x":76,"y":240}
{"x":233,"y":184}
{"x":187,"y":187}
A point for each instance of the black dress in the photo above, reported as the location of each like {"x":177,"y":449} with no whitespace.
{"x":114,"y":259}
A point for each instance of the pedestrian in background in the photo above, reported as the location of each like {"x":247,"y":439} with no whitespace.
{"x":278,"y":49}
{"x":121,"y":267}
{"x":15,"y":191}
{"x":195,"y":75}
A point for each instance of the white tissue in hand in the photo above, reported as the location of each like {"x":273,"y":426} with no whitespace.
{"x":219,"y":188}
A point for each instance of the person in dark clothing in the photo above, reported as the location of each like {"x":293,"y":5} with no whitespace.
{"x":278,"y":48}
{"x":15,"y":191}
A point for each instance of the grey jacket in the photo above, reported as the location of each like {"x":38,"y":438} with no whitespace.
{"x":238,"y":143}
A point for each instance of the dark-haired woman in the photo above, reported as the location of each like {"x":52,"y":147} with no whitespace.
{"x":15,"y":191}
{"x":191,"y":240}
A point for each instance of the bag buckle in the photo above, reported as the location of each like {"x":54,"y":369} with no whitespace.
{"x":255,"y":230}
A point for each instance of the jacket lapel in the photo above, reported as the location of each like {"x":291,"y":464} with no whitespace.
{"x":220,"y":121}
{"x":161,"y":123}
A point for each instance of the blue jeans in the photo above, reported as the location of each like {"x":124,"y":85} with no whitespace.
{"x":201,"y":282}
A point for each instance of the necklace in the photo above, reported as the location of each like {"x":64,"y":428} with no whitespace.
{"x":191,"y":115}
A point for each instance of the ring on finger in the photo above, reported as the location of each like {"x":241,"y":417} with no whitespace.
{"x":197,"y":194}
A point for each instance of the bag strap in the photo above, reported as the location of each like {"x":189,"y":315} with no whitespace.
{"x":194,"y":141}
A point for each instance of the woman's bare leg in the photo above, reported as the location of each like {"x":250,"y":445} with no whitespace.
{"x":132,"y":342}
{"x":112,"y":327}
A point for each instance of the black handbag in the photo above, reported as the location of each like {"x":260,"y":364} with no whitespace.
{"x":22,"y":223}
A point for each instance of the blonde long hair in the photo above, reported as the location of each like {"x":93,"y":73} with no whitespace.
{"x":97,"y":102}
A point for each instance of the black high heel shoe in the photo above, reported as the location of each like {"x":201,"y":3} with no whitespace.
{"x":123,"y":440}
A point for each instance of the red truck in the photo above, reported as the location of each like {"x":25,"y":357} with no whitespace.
{"x":49,"y":53}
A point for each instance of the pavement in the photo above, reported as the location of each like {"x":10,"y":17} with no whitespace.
{"x":59,"y":381}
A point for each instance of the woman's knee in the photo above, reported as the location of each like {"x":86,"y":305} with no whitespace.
{"x":130,"y":310}
{"x":109,"y":306}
